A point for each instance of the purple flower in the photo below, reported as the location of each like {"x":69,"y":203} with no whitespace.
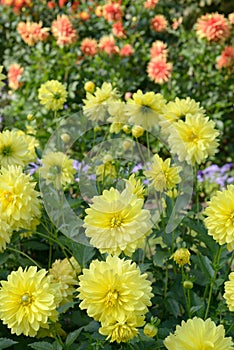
{"x":226,"y":167}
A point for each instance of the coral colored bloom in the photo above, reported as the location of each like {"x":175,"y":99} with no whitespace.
{"x":113,"y":289}
{"x":107,"y":45}
{"x":62,"y":3}
{"x":28,"y":301}
{"x":14,"y":74}
{"x":150,"y":4}
{"x":116,"y":222}
{"x":158,"y":49}
{"x":219,"y":220}
{"x":162,"y":174}
{"x":194,"y":139}
{"x":32,"y":32}
{"x":159,"y":23}
{"x":52,"y":94}
{"x":229,"y":291}
{"x":96,"y":105}
{"x":89,"y":47}
{"x":112,"y":11}
{"x":126,"y":50}
{"x":144,"y":108}
{"x":176,"y":23}
{"x":17,"y":4}
{"x":118,"y":30}
{"x":57,"y":168}
{"x":159,"y":70}
{"x":208,"y":336}
{"x":226,"y":59}
{"x":51,"y":5}
{"x":18,"y":199}
{"x":63,"y":31}
{"x":214,"y":27}
{"x":64,"y":272}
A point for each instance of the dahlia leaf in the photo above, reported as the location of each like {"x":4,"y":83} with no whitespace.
{"x":6,"y":343}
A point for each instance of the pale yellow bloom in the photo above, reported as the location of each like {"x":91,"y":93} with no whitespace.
{"x":28,"y":301}
{"x":137,"y":131}
{"x":5,"y":233}
{"x":89,"y":86}
{"x":123,"y":329}
{"x":65,"y":273}
{"x":14,"y":149}
{"x":118,"y":117}
{"x":135,"y":186}
{"x":220,"y":217}
{"x":116,"y":222}
{"x":162,"y":175}
{"x":96,"y":105}
{"x":57,"y":168}
{"x":18,"y":199}
{"x":229,"y":291}
{"x":144,"y":109}
{"x":181,"y":256}
{"x":194,"y":139}
{"x":150,"y":330}
{"x":32,"y":142}
{"x":53,"y":95}
{"x":114,"y":289}
{"x":178,"y":109}
{"x":197,"y":334}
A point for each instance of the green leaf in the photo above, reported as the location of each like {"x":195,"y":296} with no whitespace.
{"x":41,"y":346}
{"x":6,"y":343}
{"x":205,"y":265}
{"x":73,"y":336}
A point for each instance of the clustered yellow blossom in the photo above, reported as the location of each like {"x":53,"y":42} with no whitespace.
{"x":116,"y":222}
{"x":96,"y":104}
{"x":57,"y":169}
{"x":181,"y":256}
{"x":198,"y":334}
{"x":53,"y":95}
{"x":220,"y":217}
{"x":162,"y":175}
{"x":115,"y":293}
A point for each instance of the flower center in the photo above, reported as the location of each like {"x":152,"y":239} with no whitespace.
{"x":111,"y":298}
{"x":6,"y":151}
{"x":145,"y":109}
{"x":208,"y":345}
{"x":6,"y":198}
{"x":26,"y":299}
{"x":116,"y":221}
{"x":57,"y":96}
{"x":192,"y":137}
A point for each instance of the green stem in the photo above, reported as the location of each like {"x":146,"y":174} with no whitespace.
{"x":186,"y":293}
{"x":26,"y":255}
{"x":216,"y":269}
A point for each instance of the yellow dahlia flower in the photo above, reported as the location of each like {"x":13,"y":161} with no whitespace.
{"x":197,"y":334}
{"x":122,"y":329}
{"x":116,"y":222}
{"x":181,"y":256}
{"x":220,"y":217}
{"x":144,"y":109}
{"x":114,"y":289}
{"x":5,"y":234}
{"x":57,"y":168}
{"x":53,"y":95}
{"x":14,"y":149}
{"x":32,"y":143}
{"x":229,"y":291}
{"x":28,"y":301}
{"x":194,"y":139}
{"x":118,"y":118}
{"x":135,"y":186}
{"x":178,"y":109}
{"x":65,"y":273}
{"x":18,"y":199}
{"x":162,"y":175}
{"x":96,"y":105}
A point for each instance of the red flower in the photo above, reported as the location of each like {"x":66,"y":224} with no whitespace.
{"x":213,"y":27}
{"x":226,"y":60}
{"x":89,"y":47}
{"x":159,"y":23}
{"x":118,"y":30}
{"x":62,"y":3}
{"x":51,"y":4}
{"x":112,"y":12}
{"x":159,"y":70}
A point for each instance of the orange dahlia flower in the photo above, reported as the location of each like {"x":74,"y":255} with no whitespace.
{"x":32,"y":32}
{"x":159,"y":70}
{"x":63,"y":31}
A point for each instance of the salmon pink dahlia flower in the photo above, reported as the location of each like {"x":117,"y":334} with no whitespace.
{"x":150,"y":4}
{"x":226,"y":60}
{"x":89,"y":47}
{"x":159,"y":23}
{"x":126,"y":50}
{"x":107,"y":45}
{"x":118,"y":30}
{"x":158,"y":49}
{"x":213,"y":27}
{"x":159,"y":70}
{"x":112,"y":11}
{"x":14,"y":74}
{"x":63,"y":31}
{"x":32,"y":32}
